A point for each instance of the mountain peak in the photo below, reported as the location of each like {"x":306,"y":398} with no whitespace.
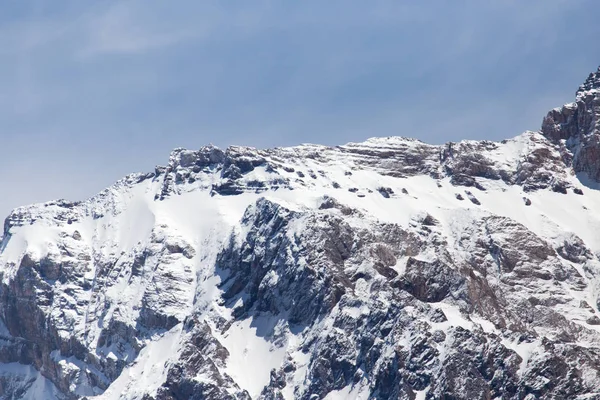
{"x":576,"y":127}
{"x":591,"y":85}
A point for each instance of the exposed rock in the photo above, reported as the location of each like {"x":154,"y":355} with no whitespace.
{"x":471,"y":197}
{"x":429,"y":220}
{"x":593,"y":320}
{"x":578,"y":124}
{"x":385,"y":191}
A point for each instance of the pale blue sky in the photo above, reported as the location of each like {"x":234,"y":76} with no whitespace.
{"x":90,"y":91}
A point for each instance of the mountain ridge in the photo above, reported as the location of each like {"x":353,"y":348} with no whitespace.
{"x":389,"y":268}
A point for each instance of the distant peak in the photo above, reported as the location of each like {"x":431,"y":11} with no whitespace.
{"x":204,"y":156}
{"x":592,"y":83}
{"x":386,"y":141}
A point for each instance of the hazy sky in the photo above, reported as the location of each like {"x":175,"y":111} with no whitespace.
{"x":93,"y":90}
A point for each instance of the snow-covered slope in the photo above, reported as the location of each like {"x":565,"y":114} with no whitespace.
{"x":384,"y":269}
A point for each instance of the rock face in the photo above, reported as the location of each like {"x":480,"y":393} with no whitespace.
{"x":576,"y":128}
{"x":388,"y":269}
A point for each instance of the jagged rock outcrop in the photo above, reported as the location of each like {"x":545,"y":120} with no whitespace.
{"x":576,"y":127}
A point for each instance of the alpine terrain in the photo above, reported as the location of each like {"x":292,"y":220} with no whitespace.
{"x":388,"y":269}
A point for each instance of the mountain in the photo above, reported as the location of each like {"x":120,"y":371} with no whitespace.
{"x":388,"y":269}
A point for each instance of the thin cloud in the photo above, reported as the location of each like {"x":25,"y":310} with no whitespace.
{"x":123,"y":29}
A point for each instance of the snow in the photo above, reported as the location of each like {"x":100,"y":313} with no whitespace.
{"x":509,"y":153}
{"x":526,"y":350}
{"x":421,"y":394}
{"x":359,"y":391}
{"x":453,"y":315}
{"x":251,"y":357}
{"x":301,"y":360}
{"x":148,"y":371}
{"x":136,"y":221}
{"x":35,"y":240}
{"x":38,"y":386}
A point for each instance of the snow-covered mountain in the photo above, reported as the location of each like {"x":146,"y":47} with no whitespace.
{"x":388,"y":269}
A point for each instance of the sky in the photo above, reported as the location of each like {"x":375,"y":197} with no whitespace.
{"x":92,"y":91}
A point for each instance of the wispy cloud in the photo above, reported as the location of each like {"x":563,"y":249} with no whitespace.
{"x":124,"y":29}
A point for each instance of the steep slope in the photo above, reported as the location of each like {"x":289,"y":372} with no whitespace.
{"x":576,"y":126}
{"x":384,"y":269}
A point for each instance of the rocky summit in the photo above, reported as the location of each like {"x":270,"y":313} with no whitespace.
{"x":388,"y":269}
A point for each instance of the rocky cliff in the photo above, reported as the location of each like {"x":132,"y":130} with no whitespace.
{"x":388,"y":269}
